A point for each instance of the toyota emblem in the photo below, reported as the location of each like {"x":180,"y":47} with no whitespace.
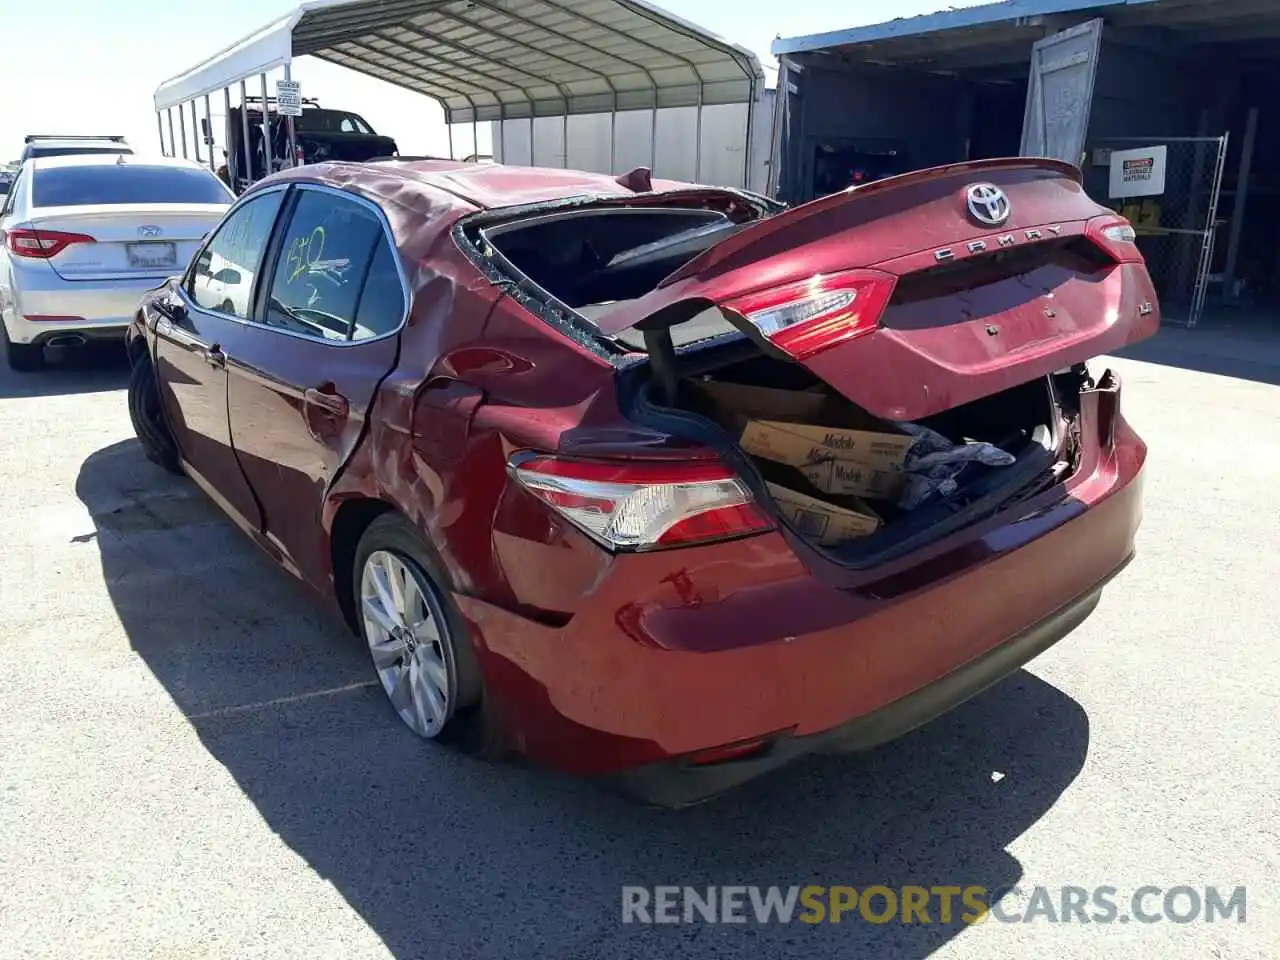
{"x":987,"y":203}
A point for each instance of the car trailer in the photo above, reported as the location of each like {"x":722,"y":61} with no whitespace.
{"x":482,"y":61}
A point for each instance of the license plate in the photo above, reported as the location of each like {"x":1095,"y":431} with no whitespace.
{"x":152,"y":254}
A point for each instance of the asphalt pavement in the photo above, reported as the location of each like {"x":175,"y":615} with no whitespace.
{"x":194,"y":762}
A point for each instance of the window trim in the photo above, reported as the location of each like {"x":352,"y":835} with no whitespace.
{"x":188,"y":277}
{"x":267,"y":272}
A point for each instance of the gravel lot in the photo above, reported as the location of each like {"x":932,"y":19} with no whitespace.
{"x":193,"y":763}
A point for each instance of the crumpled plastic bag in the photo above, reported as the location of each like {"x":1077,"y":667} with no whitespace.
{"x":934,"y":464}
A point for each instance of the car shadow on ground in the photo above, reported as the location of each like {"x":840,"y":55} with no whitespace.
{"x":92,"y":369}
{"x":445,"y":856}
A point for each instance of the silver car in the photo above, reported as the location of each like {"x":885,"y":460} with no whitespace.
{"x":84,"y":236}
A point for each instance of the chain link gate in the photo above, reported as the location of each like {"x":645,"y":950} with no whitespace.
{"x":1176,"y":230}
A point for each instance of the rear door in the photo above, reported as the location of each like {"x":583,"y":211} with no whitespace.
{"x":919,"y":293}
{"x":304,"y":373}
{"x":1060,"y":91}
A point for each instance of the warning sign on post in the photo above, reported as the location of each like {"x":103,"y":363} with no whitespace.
{"x":1138,"y":173}
{"x":289,"y":98}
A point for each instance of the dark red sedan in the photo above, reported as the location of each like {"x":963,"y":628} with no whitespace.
{"x":467,"y":405}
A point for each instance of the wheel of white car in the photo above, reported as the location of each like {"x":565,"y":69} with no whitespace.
{"x":417,"y":638}
{"x":22,"y":357}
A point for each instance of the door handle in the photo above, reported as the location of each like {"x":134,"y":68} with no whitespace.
{"x":215,"y":357}
{"x":327,"y":398}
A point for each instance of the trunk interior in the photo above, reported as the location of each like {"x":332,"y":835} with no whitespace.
{"x":1034,"y":424}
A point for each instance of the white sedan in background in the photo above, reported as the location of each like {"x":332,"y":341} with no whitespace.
{"x":82,"y":237}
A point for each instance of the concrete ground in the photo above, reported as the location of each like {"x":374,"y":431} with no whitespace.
{"x":194,"y":765}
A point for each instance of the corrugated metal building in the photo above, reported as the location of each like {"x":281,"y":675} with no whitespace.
{"x":1187,"y":80}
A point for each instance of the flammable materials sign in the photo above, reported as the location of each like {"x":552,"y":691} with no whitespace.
{"x":1138,"y":173}
{"x":289,"y":98}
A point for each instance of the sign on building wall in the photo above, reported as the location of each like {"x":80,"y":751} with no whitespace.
{"x":1138,"y":173}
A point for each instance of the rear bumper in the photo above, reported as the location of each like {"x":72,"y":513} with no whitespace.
{"x":679,"y":783}
{"x":70,"y":335}
{"x":92,"y":307}
{"x":671,"y":654}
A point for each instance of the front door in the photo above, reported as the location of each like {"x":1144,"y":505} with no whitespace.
{"x":304,"y":373}
{"x":190,"y":351}
{"x":1060,"y":93}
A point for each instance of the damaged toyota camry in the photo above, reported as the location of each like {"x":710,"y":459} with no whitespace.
{"x":664,"y":483}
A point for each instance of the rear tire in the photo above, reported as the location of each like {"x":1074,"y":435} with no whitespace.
{"x":441,"y":644}
{"x":148,"y":419}
{"x":22,"y":357}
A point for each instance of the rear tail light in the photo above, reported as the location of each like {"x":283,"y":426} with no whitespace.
{"x":1116,"y":236}
{"x":42,"y":244}
{"x":812,"y":315}
{"x":635,"y":506}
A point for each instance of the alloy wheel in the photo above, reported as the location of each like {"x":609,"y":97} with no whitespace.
{"x":404,"y":626}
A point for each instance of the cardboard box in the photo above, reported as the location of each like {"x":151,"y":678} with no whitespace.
{"x":824,"y":522}
{"x":850,"y":478}
{"x":799,"y":428}
{"x":802,"y":444}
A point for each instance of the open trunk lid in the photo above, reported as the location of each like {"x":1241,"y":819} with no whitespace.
{"x":918,"y":293}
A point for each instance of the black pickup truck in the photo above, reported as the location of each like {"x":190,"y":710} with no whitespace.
{"x":321,"y":134}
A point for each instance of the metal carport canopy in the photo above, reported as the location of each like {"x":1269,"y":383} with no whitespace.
{"x":498,"y":59}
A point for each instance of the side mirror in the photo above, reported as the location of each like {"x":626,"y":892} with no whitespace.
{"x":173,"y":308}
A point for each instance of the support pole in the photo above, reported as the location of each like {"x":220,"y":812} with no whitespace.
{"x":751,"y":129}
{"x":475,"y":137}
{"x":208,"y":119}
{"x":266,"y":128}
{"x":160,"y":130}
{"x":233,"y":173}
{"x":564,"y":135}
{"x":613,"y":135}
{"x":533,"y":157}
{"x":1237,"y":208}
{"x":499,"y":146}
{"x":195,"y":131}
{"x":290,"y":127}
{"x":448,"y":129}
{"x":182,"y":125}
{"x":653,"y":136}
{"x":244,"y":143}
{"x":697,"y":141}
{"x":173,"y":144}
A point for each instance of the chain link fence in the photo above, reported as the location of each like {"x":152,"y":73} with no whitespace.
{"x":1176,"y":229}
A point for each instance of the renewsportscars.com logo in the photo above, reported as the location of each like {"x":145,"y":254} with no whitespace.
{"x":931,"y":905}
